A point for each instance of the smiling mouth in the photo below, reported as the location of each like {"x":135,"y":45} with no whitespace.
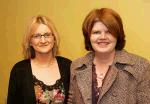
{"x":103,"y":43}
{"x":43,"y":45}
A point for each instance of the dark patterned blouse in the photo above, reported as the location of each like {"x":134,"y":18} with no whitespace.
{"x":95,"y":89}
{"x":45,"y":94}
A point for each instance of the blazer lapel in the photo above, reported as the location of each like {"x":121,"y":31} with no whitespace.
{"x":83,"y":77}
{"x":110,"y":78}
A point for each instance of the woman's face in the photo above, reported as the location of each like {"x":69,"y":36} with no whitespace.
{"x":42,"y":40}
{"x":102,"y":40}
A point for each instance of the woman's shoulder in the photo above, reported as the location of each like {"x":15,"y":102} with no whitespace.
{"x":22,"y":63}
{"x":136,"y":59}
{"x":20,"y":66}
{"x":64,"y":59}
{"x":137,"y":65}
{"x":129,"y":58}
{"x":141,"y":66}
{"x":64,"y":64}
{"x":84,"y":60}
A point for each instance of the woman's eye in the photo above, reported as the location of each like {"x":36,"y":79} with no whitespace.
{"x":36,"y":36}
{"x":107,"y":32}
{"x":47,"y":34}
{"x":96,"y":32}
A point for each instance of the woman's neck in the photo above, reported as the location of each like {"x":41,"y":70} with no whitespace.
{"x":44,"y":60}
{"x":102,"y":63}
{"x":104,"y":59}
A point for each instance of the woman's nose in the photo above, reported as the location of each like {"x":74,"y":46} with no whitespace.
{"x":43,"y":40}
{"x":103,"y":35}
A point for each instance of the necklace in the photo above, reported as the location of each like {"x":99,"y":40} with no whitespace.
{"x":101,"y":76}
{"x":51,"y":62}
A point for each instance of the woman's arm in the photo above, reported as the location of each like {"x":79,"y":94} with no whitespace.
{"x":13,"y":89}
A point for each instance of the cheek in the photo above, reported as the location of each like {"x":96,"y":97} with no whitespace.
{"x":52,"y":42}
{"x":115,"y":41}
{"x":34,"y":43}
{"x":92,"y":39}
{"x":113,"y":38}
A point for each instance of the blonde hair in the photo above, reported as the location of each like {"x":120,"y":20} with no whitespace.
{"x":28,"y":50}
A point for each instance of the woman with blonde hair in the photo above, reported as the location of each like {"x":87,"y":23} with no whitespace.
{"x":42,"y":77}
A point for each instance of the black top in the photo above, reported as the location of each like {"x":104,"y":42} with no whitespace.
{"x":21,"y":84}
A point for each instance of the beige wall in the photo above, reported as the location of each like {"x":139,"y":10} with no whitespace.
{"x":68,"y":16}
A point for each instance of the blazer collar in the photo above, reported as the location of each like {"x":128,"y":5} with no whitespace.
{"x":126,"y":59}
{"x":121,"y":57}
{"x":86,"y":60}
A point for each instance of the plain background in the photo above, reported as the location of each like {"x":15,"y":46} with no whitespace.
{"x":68,"y":16}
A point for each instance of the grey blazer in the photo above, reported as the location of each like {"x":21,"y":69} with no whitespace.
{"x":128,"y":83}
